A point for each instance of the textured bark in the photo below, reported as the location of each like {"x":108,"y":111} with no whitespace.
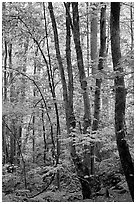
{"x":72,"y":122}
{"x":4,"y":145}
{"x":13,"y":121}
{"x":52,"y":89}
{"x":94,"y":30}
{"x":120,"y":99}
{"x":82,"y":168}
{"x":80,"y":64}
{"x":131,"y":25}
{"x":100,"y":67}
{"x":87,"y":39}
{"x":59,"y":59}
{"x":99,"y":81}
{"x":5,"y":72}
{"x":5,"y":154}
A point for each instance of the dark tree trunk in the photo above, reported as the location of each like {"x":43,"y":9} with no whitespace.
{"x":80,"y":64}
{"x":131,"y":25}
{"x":4,"y":145}
{"x":94,"y":41}
{"x":52,"y":89}
{"x":99,"y":81}
{"x":72,"y":122}
{"x":44,"y":135}
{"x":82,"y":168}
{"x":100,"y":67}
{"x":5,"y":154}
{"x":5,"y":72}
{"x":13,"y":121}
{"x":120,"y":99}
{"x":63,"y":80}
{"x":87,"y":38}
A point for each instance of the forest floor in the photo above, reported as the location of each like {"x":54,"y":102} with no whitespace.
{"x":63,"y":196}
{"x":110,"y":187}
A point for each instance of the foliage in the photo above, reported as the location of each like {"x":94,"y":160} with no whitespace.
{"x":29,"y":109}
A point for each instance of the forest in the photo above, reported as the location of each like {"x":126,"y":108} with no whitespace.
{"x":68,"y":101}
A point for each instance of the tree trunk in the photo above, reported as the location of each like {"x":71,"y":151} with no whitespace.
{"x":4,"y":145}
{"x":93,"y":43}
{"x":94,"y":30}
{"x":99,"y":81}
{"x":13,"y":121}
{"x":83,"y":168}
{"x":52,"y":89}
{"x":87,"y":38}
{"x":72,"y":122}
{"x":63,"y":80}
{"x":131,"y":25}
{"x":120,"y":99}
{"x":80,"y":64}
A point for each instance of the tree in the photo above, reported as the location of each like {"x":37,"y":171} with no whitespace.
{"x":120,"y":99}
{"x":48,"y":87}
{"x":99,"y":80}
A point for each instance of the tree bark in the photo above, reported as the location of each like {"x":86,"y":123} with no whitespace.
{"x":87,"y":38}
{"x":120,"y":99}
{"x":52,"y":89}
{"x":72,"y":122}
{"x":131,"y":25}
{"x":99,"y":81}
{"x":83,"y":168}
{"x":63,"y":80}
{"x":80,"y":64}
{"x":94,"y":30}
{"x":4,"y":145}
{"x":13,"y":121}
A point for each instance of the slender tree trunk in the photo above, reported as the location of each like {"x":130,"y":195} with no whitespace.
{"x":34,"y":118}
{"x":52,"y":89}
{"x":81,"y":168}
{"x":61,"y":68}
{"x":5,"y":154}
{"x":23,"y":90}
{"x":12,"y":100}
{"x":4,"y":94}
{"x":100,"y":67}
{"x":5,"y":72}
{"x":120,"y":99}
{"x":80,"y":63}
{"x":131,"y":25}
{"x":87,"y":39}
{"x":71,"y":122}
{"x":4,"y":145}
{"x":44,"y":135}
{"x":98,"y":81}
{"x":93,"y":42}
{"x":58,"y":55}
{"x":94,"y":30}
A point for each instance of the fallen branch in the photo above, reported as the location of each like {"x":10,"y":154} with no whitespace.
{"x":52,"y":178}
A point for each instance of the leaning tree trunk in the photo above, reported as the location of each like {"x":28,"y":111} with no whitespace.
{"x":82,"y":171}
{"x":120,"y":99}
